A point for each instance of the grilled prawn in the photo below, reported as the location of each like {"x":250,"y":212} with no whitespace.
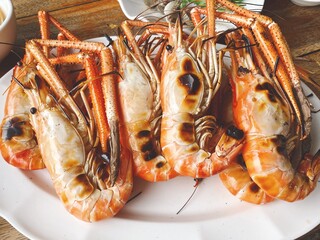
{"x":262,"y":111}
{"x":139,"y":91}
{"x":83,"y":178}
{"x":189,"y":81}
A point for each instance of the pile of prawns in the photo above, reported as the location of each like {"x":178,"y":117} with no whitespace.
{"x":148,"y":105}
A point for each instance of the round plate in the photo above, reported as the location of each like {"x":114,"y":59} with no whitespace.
{"x":28,"y":201}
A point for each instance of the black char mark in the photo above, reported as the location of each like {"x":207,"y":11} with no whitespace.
{"x":272,"y":93}
{"x":143,"y":133}
{"x":240,"y":161}
{"x":147,"y":148}
{"x":188,"y":79}
{"x":191,"y":82}
{"x":235,"y":132}
{"x":12,"y":128}
{"x":243,"y":70}
{"x":187,"y":65}
{"x":280,"y":142}
{"x":254,"y":187}
{"x":160,"y":164}
{"x":186,"y":131}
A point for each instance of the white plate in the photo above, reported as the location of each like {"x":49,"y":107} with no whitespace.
{"x":132,"y":8}
{"x":28,"y":201}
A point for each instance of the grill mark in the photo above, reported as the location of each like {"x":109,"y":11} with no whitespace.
{"x":254,"y":187}
{"x":186,"y":131}
{"x":160,"y":164}
{"x":143,"y":134}
{"x":12,"y":128}
{"x":187,"y":65}
{"x":148,"y":151}
{"x":271,"y":92}
{"x":190,"y":82}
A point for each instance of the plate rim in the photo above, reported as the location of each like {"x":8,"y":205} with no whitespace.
{"x":125,"y":7}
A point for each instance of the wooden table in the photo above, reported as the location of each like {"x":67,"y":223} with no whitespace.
{"x":93,"y":18}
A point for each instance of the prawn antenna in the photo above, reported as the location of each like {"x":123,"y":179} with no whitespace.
{"x":82,"y":82}
{"x":12,"y":44}
{"x":110,"y":40}
{"x":198,"y":181}
{"x":222,"y":35}
{"x":247,"y":43}
{"x":276,"y":66}
{"x":133,"y":197}
{"x":19,"y":83}
{"x":15,"y":53}
{"x":309,"y":53}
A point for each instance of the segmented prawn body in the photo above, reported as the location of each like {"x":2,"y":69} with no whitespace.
{"x":141,"y":114}
{"x":18,"y":143}
{"x":236,"y":177}
{"x":187,"y":88}
{"x":139,"y":90}
{"x":263,"y":113}
{"x":272,"y":52}
{"x":72,"y":170}
{"x":91,"y":172}
{"x":83,"y":177}
{"x":239,"y":183}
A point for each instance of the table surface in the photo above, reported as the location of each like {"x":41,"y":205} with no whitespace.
{"x":93,"y":18}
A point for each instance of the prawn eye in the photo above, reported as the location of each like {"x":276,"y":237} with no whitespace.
{"x":33,"y":110}
{"x":234,"y":132}
{"x":169,"y":48}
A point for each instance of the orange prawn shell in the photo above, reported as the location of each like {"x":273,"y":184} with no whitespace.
{"x":257,"y":106}
{"x":20,"y":150}
{"x":182,"y":80}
